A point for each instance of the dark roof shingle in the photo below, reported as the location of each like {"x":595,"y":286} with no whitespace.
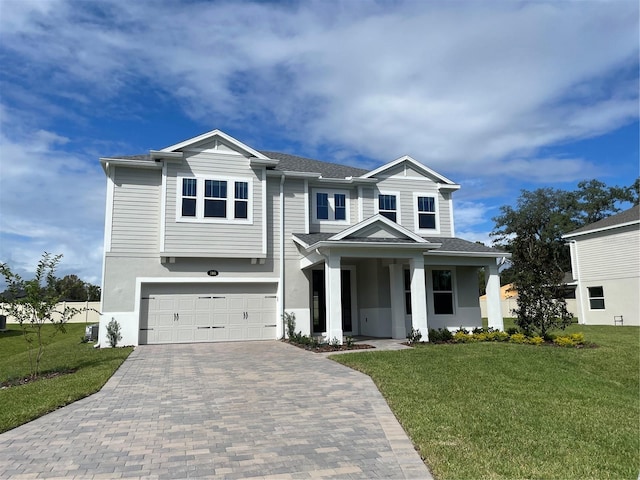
{"x":630,"y":215}
{"x":293,"y":163}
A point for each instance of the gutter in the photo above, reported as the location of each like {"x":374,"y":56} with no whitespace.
{"x":281,"y":282}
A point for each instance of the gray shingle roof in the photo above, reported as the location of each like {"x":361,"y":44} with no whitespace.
{"x":291,"y":163}
{"x":449,"y":244}
{"x":630,"y":215}
{"x":294,"y":163}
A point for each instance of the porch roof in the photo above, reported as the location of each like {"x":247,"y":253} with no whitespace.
{"x":436,"y":245}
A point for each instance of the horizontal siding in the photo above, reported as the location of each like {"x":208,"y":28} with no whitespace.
{"x":329,"y":227}
{"x":610,"y":256}
{"x":294,"y":214}
{"x":406,"y":186}
{"x":220,"y":239}
{"x":136,"y":211}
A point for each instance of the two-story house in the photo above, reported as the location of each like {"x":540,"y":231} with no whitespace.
{"x":605,"y":262}
{"x":211,"y":240}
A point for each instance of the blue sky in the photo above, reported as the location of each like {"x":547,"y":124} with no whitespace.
{"x":498,"y":96}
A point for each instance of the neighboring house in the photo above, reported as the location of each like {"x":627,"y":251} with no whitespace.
{"x":211,"y":240}
{"x":605,"y":259}
{"x":509,"y":298}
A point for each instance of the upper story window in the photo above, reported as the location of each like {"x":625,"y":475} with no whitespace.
{"x":330,"y":206}
{"x":387,"y":205}
{"x":214,"y":200}
{"x":189,"y":197}
{"x":426,"y":213}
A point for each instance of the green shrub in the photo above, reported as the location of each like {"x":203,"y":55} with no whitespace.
{"x":113,"y":333}
{"x":413,"y":336}
{"x":577,"y":338}
{"x":497,"y":336}
{"x":564,"y":341}
{"x":290,"y":322}
{"x":512,"y":330}
{"x":480,"y":336}
{"x":348,"y":341}
{"x":462,"y":337}
{"x":440,"y":335}
{"x":536,"y":340}
{"x":518,"y":338}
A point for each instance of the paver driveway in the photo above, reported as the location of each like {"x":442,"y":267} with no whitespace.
{"x":226,"y":410}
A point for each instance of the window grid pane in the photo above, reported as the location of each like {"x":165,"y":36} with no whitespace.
{"x":322,"y":206}
{"x":215,"y":189}
{"x":442,"y":292}
{"x":596,"y":298}
{"x":189,"y":187}
{"x":242,"y":190}
{"x":340,"y":206}
{"x":426,"y":204}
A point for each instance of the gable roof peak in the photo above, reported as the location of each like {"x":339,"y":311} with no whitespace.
{"x":211,"y":135}
{"x":416,"y":164}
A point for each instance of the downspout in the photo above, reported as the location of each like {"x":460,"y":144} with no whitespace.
{"x":579,"y":287}
{"x":281,"y":282}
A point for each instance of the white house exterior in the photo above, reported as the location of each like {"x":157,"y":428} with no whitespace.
{"x":211,"y":240}
{"x":605,"y":259}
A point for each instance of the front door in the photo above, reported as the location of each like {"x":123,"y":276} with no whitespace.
{"x":318,"y":300}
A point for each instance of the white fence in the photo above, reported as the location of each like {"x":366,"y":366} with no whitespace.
{"x":89,"y":312}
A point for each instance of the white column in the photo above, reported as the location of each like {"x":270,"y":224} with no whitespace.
{"x":494,"y":308}
{"x":419,"y":297}
{"x":396,"y":282}
{"x":333,"y":297}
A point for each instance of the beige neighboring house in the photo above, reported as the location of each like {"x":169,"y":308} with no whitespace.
{"x":605,"y":259}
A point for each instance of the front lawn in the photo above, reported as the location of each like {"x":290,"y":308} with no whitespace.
{"x":92,"y":367}
{"x":497,"y":410}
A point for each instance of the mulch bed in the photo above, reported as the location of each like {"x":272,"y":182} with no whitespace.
{"x":330,"y":348}
{"x":26,"y":380}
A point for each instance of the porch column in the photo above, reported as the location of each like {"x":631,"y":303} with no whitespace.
{"x":494,"y":308}
{"x":333,"y":294}
{"x":419,"y":297}
{"x":396,"y":282}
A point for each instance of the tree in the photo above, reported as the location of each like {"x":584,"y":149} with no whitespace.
{"x":532,"y":232}
{"x":72,"y":288}
{"x":597,"y":201}
{"x":34,"y":303}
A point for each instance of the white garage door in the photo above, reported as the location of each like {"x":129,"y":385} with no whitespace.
{"x":210,"y":314}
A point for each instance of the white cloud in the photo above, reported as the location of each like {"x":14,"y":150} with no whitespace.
{"x":474,"y":90}
{"x":455,"y":85}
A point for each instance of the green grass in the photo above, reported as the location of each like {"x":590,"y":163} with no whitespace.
{"x":497,"y":410}
{"x":21,"y":404}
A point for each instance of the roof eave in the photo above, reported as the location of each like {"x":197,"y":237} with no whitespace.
{"x":470,"y":254}
{"x":603,"y":229}
{"x":351,"y":244}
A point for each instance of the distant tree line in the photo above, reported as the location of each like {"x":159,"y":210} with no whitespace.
{"x":69,"y":288}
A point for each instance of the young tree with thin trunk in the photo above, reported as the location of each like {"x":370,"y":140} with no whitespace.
{"x":34,"y":304}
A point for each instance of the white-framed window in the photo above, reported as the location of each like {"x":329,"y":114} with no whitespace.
{"x":596,"y":298}
{"x":426,"y":213}
{"x":387,"y":204}
{"x":442,"y":283}
{"x":214,"y":199}
{"x":330,"y":206}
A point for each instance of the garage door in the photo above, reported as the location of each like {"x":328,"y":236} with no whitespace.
{"x":207,"y":314}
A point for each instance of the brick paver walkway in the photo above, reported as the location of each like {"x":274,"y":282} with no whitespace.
{"x":226,"y":410}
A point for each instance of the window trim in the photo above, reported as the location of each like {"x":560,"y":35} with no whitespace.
{"x":200,"y":200}
{"x":454,"y":295}
{"x":590,"y":298}
{"x":376,"y":204}
{"x":331,"y":193}
{"x":416,"y":213}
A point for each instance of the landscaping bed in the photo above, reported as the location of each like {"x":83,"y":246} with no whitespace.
{"x":326,"y":347}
